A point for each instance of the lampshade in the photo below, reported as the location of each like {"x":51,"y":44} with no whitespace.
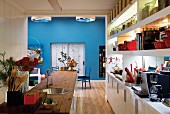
{"x":85,"y":18}
{"x":41,"y":18}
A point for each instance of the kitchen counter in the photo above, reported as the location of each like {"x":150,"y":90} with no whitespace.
{"x":60,"y":79}
{"x":157,"y":106}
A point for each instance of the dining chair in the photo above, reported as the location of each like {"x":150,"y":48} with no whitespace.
{"x":85,"y":78}
{"x":55,"y":68}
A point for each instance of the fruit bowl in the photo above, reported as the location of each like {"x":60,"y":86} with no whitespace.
{"x":49,"y":106}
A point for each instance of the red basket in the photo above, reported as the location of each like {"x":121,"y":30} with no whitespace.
{"x":167,"y":41}
{"x":159,"y":45}
{"x":121,"y":47}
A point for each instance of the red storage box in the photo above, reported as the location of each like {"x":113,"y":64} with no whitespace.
{"x":31,"y":98}
{"x":130,"y":45}
{"x":167,"y":41}
{"x":159,"y":45}
{"x":121,"y":47}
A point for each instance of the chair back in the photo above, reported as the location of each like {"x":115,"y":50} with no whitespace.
{"x":87,"y":71}
{"x":55,"y":68}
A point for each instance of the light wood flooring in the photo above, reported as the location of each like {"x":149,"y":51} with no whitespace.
{"x":92,"y":101}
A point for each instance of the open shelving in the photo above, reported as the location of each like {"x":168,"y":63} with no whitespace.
{"x":155,"y":57}
{"x":156,"y":18}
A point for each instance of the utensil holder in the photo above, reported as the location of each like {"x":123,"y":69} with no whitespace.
{"x":14,"y":98}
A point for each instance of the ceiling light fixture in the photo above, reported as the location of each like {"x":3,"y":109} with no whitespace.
{"x":85,"y":18}
{"x":41,"y":18}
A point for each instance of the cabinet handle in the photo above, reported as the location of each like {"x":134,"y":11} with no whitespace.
{"x":108,"y":78}
{"x":117,"y":88}
{"x":112,"y":83}
{"x":136,"y":106}
{"x":124,"y":95}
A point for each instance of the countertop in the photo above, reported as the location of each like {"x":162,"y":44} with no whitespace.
{"x":159,"y":106}
{"x":60,"y":79}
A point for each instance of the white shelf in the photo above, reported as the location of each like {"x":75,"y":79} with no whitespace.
{"x":124,"y":10}
{"x":164,"y":12}
{"x":155,"y":52}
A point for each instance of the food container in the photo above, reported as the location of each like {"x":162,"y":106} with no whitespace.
{"x":167,"y":41}
{"x":153,"y":10}
{"x":114,"y":13}
{"x":162,"y":4}
{"x":159,"y":45}
{"x":117,"y":9}
{"x":145,"y":11}
{"x":120,"y":6}
{"x":31,"y":97}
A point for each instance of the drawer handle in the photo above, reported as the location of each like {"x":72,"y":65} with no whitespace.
{"x":117,"y":88}
{"x":112,"y":83}
{"x":136,"y":106}
{"x":124,"y":95}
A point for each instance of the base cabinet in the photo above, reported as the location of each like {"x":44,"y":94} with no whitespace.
{"x":124,"y":101}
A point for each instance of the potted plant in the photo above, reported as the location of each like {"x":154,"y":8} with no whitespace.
{"x":6,"y":66}
{"x":64,"y":59}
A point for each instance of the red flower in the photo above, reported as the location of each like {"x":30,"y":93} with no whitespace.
{"x":26,"y":64}
{"x":35,"y":61}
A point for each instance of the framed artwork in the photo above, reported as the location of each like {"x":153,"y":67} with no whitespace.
{"x":35,"y":52}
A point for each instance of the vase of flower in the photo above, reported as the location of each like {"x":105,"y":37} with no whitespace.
{"x":25,"y":66}
{"x":25,"y":86}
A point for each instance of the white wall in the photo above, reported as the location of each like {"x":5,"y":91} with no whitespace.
{"x":13,"y":31}
{"x":13,"y":35}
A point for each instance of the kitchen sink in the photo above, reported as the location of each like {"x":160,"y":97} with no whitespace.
{"x":51,"y":90}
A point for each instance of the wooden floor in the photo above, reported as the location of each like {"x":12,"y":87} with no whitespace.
{"x":92,"y":101}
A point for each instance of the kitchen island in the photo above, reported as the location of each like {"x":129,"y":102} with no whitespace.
{"x":59,"y":79}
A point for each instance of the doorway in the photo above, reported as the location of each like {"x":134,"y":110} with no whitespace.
{"x":75,"y":50}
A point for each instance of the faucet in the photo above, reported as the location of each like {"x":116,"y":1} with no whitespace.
{"x":48,"y":73}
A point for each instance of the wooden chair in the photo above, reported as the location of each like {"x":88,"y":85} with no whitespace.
{"x":85,"y":78}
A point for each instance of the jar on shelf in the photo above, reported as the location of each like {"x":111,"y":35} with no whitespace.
{"x":134,"y":19}
{"x":145,"y":11}
{"x":123,"y":26}
{"x":162,"y":4}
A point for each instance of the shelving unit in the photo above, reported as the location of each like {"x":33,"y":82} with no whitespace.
{"x":155,"y":18}
{"x":102,"y":69}
{"x":116,"y":90}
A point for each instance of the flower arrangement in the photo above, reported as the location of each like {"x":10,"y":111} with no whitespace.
{"x":72,"y":63}
{"x":26,"y":64}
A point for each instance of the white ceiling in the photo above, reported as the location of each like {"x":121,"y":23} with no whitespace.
{"x":69,"y":7}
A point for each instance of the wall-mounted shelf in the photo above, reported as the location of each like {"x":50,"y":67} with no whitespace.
{"x":155,"y":17}
{"x":155,"y":52}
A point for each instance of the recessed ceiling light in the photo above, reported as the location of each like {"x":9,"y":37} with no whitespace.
{"x":85,"y":18}
{"x":41,"y":18}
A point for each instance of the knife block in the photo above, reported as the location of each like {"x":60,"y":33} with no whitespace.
{"x":14,"y":98}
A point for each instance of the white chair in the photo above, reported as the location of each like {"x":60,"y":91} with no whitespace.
{"x":36,"y":73}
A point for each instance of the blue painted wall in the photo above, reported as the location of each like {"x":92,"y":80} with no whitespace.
{"x":67,"y":29}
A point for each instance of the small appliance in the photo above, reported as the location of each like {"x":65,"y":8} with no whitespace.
{"x":155,"y":86}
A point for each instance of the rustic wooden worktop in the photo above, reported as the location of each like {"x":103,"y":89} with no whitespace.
{"x":60,"y":79}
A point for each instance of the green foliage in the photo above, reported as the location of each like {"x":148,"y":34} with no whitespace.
{"x":64,"y":58}
{"x":6,"y":66}
{"x":49,"y":100}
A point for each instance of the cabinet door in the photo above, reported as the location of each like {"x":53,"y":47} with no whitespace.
{"x":108,"y":88}
{"x":150,"y":110}
{"x":122,"y":99}
{"x":141,"y":106}
{"x":130,"y":102}
{"x":115,"y":96}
